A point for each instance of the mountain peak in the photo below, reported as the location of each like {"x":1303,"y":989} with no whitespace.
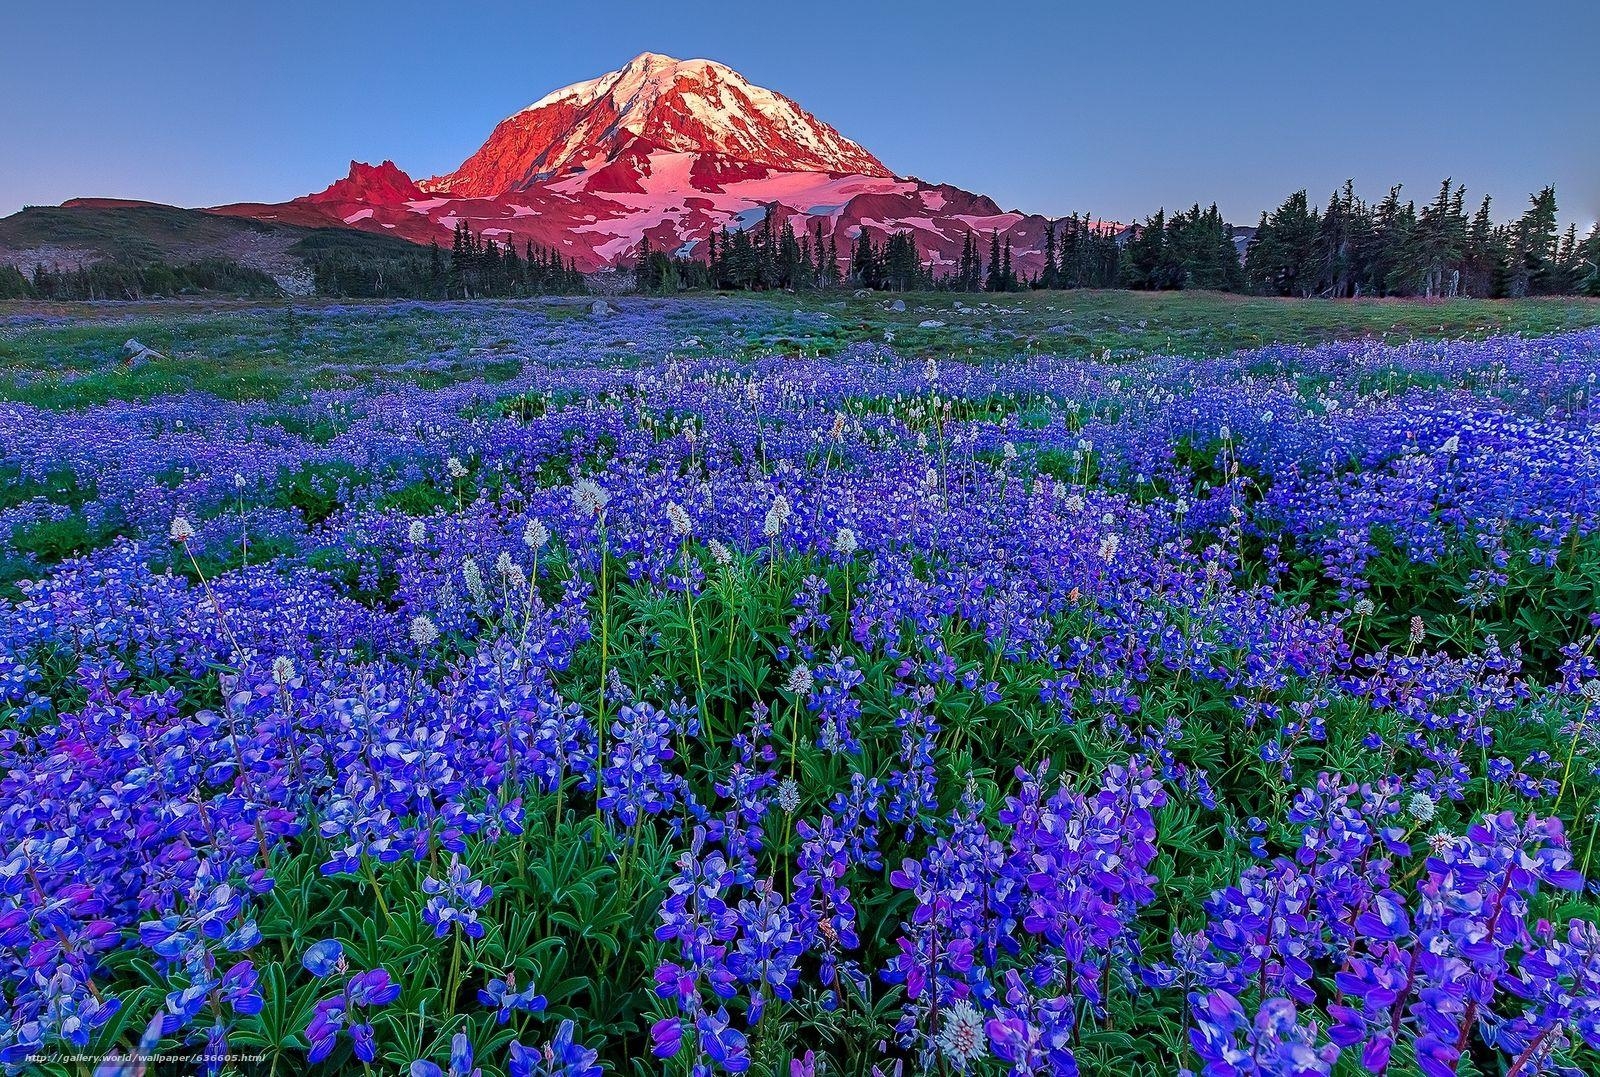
{"x":698,"y":106}
{"x":382,"y":184}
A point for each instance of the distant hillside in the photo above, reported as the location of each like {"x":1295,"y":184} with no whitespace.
{"x":121,"y":241}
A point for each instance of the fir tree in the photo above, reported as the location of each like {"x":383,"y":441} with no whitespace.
{"x":1048,"y":275}
{"x":436,"y":273}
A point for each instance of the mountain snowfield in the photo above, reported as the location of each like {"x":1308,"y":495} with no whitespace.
{"x":692,"y":106}
{"x":672,"y":150}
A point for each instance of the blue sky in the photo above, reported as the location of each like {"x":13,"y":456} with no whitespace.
{"x":1113,"y":108}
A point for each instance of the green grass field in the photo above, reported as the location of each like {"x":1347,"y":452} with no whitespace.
{"x":1145,"y":323}
{"x":65,"y":355}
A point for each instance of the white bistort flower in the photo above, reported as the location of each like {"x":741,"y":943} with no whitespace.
{"x":181,"y":530}
{"x":961,"y":1034}
{"x":1441,"y":842}
{"x":535,"y":535}
{"x":282,"y":670}
{"x":423,"y":630}
{"x":473,"y":578}
{"x":589,"y":496}
{"x":799,"y":681}
{"x":777,"y":516}
{"x":1421,"y":807}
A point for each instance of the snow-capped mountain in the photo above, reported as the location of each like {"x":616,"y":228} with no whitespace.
{"x":695,"y":106}
{"x":672,"y":150}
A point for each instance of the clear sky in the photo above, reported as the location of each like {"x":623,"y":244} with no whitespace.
{"x":1114,"y":108}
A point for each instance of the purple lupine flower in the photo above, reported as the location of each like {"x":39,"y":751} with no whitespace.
{"x":561,"y":1057}
{"x":504,"y":997}
{"x":455,"y":901}
{"x":460,"y":1061}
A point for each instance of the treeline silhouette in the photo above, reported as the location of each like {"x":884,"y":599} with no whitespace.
{"x":1349,"y":248}
{"x":126,"y":279}
{"x":336,"y":264}
{"x":480,"y":267}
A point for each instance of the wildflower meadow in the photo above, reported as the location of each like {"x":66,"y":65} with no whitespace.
{"x":565,"y":694}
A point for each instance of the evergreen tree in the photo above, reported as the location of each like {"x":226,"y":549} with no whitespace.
{"x":1484,"y":261}
{"x":866,"y":263}
{"x":1282,"y":259}
{"x":1431,"y":263}
{"x":1145,"y":255}
{"x":1339,"y":240}
{"x":808,"y":264}
{"x":1392,"y":223}
{"x":489,"y":268}
{"x":13,"y":285}
{"x":788,"y":258}
{"x":1589,"y":264}
{"x":1533,"y":269}
{"x":512,"y":270}
{"x":967,"y":268}
{"x":1048,"y":275}
{"x":645,"y":278}
{"x":902,"y":265}
{"x":713,"y":262}
{"x":458,"y":260}
{"x":437,"y":282}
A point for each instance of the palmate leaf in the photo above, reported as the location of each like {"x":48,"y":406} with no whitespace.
{"x":558,"y":989}
{"x":371,"y":942}
{"x":302,"y":906}
{"x":747,"y":675}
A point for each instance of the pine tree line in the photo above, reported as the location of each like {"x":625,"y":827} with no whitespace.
{"x":126,"y":279}
{"x":1393,"y":248}
{"x":1187,"y":250}
{"x":764,"y":257}
{"x":479,"y":267}
{"x":1350,"y":248}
